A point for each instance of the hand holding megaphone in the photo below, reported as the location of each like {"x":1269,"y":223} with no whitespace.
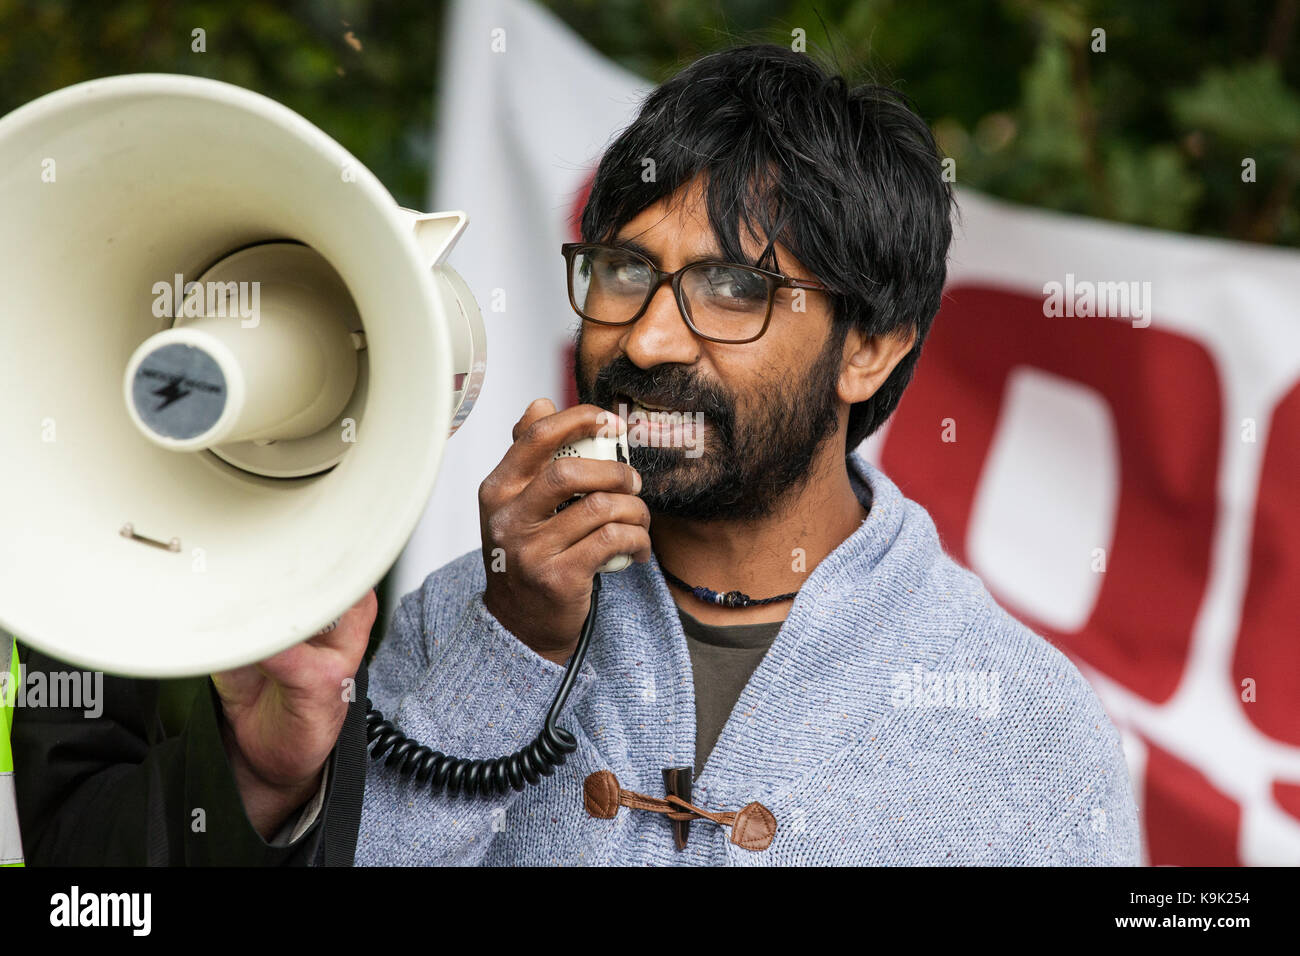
{"x":540,"y":563}
{"x":283,"y":716}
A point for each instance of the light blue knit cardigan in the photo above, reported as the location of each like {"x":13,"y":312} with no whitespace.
{"x":900,"y":717}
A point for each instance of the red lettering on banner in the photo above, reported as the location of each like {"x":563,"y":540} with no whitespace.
{"x":1287,"y":796}
{"x":570,"y":381}
{"x":1268,"y":644}
{"x":1179,"y":801}
{"x":1164,"y":397}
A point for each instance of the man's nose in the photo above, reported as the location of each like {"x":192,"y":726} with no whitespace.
{"x":661,"y":335}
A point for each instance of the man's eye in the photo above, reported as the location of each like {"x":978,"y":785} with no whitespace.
{"x":738,"y":284}
{"x":630,"y":271}
{"x":623,"y":271}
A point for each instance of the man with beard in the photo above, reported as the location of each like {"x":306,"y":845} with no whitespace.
{"x":792,"y":671}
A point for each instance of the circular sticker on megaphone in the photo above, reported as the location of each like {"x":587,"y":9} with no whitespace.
{"x":179,"y":391}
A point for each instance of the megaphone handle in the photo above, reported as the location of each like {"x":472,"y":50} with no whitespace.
{"x":485,"y":778}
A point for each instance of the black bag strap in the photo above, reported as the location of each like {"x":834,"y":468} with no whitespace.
{"x":343,"y":810}
{"x":158,"y":845}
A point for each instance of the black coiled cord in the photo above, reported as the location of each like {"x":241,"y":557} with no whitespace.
{"x":484,"y":778}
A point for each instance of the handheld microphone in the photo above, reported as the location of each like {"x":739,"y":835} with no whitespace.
{"x":600,"y":448}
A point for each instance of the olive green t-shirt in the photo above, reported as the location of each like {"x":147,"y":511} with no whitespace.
{"x":722,"y":658}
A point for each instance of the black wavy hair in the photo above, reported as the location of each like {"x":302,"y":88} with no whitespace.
{"x":848,"y":179}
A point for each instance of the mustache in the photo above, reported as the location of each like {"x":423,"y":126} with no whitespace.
{"x":672,"y":386}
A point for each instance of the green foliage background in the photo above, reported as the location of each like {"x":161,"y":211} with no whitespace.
{"x":1153,"y":130}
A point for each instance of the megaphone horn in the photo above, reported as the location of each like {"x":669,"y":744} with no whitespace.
{"x":223,"y":338}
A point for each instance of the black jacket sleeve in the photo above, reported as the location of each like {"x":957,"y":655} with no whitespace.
{"x":123,"y":788}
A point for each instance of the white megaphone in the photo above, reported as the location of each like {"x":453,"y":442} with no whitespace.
{"x":229,"y":362}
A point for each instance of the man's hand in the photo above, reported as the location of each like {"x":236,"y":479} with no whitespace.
{"x":283,"y":716}
{"x":542,"y":592}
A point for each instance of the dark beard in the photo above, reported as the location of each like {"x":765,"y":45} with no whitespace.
{"x":751,"y":458}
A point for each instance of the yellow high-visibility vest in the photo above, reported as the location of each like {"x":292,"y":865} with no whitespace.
{"x":11,"y":842}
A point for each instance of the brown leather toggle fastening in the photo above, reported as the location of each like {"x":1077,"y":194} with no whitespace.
{"x":677,"y":783}
{"x":752,"y":826}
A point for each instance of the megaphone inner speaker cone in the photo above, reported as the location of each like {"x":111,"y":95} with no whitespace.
{"x":264,"y":364}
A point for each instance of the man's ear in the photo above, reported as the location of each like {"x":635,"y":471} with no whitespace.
{"x":868,"y":361}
